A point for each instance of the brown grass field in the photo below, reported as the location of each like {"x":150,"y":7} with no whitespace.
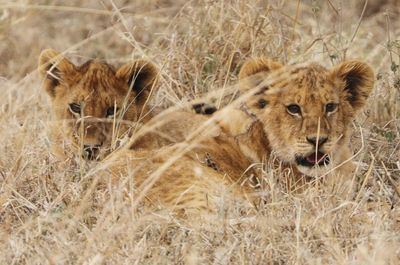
{"x":52,"y":215}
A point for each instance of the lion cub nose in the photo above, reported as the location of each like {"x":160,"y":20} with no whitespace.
{"x":91,"y":152}
{"x":313,"y":140}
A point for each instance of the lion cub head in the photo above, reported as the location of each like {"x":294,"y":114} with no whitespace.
{"x":306,"y":110}
{"x":93,"y":103}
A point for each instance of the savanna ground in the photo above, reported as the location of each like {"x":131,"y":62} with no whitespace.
{"x":53,"y":216}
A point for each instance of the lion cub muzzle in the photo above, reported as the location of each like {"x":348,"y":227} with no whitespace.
{"x":93,"y":139}
{"x":91,"y":152}
{"x":317,"y":140}
{"x":318,"y":156}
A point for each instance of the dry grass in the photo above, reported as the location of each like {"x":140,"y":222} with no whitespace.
{"x":50,"y":214}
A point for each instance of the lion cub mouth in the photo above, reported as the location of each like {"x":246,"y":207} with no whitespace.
{"x":313,"y":159}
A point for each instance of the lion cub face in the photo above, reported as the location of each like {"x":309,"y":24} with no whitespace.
{"x":94,"y":103}
{"x":306,"y":110}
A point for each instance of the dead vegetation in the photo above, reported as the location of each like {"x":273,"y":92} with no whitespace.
{"x":55,"y":214}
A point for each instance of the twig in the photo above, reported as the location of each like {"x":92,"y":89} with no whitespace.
{"x":333,"y":7}
{"x":59,"y":8}
{"x":356,"y":30}
{"x":391,"y":181}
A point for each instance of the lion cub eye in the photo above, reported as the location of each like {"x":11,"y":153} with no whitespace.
{"x":75,"y":108}
{"x":111,"y":111}
{"x":294,"y":109}
{"x":331,"y":107}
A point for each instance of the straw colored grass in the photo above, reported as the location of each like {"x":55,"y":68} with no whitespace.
{"x":62,"y":213}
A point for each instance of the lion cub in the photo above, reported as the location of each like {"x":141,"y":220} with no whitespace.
{"x":94,"y":104}
{"x":299,"y":115}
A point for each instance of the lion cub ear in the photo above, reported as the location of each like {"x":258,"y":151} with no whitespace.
{"x":53,"y":68}
{"x":254,"y":71}
{"x":358,"y":78}
{"x":141,"y":76}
